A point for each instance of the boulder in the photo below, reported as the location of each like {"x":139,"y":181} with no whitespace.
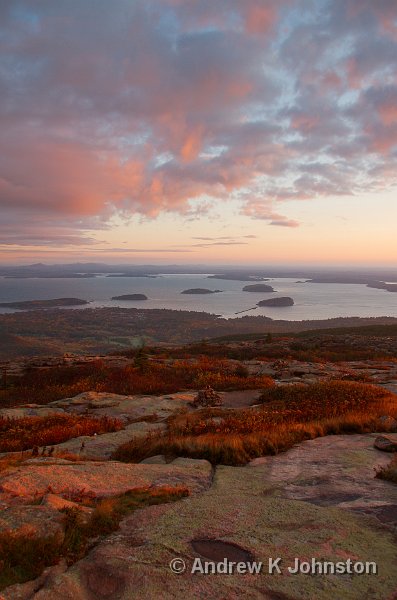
{"x":385,"y":444}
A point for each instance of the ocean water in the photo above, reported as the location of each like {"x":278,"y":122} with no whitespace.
{"x":312,"y":300}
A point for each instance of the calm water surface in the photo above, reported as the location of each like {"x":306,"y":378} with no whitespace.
{"x":312,"y":300}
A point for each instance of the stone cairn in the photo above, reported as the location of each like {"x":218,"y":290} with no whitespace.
{"x":208,"y":397}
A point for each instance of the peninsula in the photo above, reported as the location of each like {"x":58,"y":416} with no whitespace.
{"x":39,"y":304}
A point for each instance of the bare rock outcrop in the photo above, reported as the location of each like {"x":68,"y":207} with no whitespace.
{"x":99,"y":479}
{"x":318,"y":500}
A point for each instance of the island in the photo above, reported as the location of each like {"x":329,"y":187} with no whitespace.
{"x":130,"y":297}
{"x":258,"y":287}
{"x":282,"y":301}
{"x":36,"y":304}
{"x":201,"y":291}
{"x":355,"y":279}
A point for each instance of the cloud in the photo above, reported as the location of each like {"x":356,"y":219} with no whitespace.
{"x":284,"y":223}
{"x":148,"y":107}
{"x":230,"y":243}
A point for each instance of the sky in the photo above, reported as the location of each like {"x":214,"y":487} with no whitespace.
{"x":198,"y":131}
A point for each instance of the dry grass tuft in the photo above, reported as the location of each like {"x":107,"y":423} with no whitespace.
{"x":389,"y":473}
{"x":17,"y":435}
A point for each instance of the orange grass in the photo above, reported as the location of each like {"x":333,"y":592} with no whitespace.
{"x":21,"y":434}
{"x":47,"y":385}
{"x":289,"y":414}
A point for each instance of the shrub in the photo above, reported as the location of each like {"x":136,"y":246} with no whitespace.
{"x":144,"y":377}
{"x":28,"y":432}
{"x":23,"y":557}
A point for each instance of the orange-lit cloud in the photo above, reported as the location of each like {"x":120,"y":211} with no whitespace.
{"x":178,"y":107}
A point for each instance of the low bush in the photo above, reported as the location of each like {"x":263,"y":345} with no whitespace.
{"x":154,"y":377}
{"x":28,"y":432}
{"x":24,"y":557}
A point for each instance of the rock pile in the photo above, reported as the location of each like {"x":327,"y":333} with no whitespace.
{"x":208,"y":397}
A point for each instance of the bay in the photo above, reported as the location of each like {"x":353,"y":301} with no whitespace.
{"x":312,"y":300}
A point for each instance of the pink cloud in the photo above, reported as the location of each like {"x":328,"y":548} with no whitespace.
{"x":157,"y":106}
{"x":260,"y":17}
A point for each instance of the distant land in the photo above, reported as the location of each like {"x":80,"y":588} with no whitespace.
{"x":53,"y":332}
{"x":381,"y":285}
{"x":355,"y":279}
{"x":130,"y":297}
{"x":201,"y":291}
{"x":53,"y":276}
{"x":131,"y":275}
{"x":237,"y":277}
{"x":374,"y":277}
{"x":282,"y":301}
{"x":37,"y":304}
{"x":258,"y":287}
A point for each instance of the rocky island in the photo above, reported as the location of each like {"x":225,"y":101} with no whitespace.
{"x":39,"y":304}
{"x":258,"y":287}
{"x":282,"y":301}
{"x":200,"y":291}
{"x":130,"y":297}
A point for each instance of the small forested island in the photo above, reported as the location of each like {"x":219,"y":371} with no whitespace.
{"x":200,"y":291}
{"x":258,"y":287}
{"x":282,"y":301}
{"x":53,"y":303}
{"x":130,"y":297}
